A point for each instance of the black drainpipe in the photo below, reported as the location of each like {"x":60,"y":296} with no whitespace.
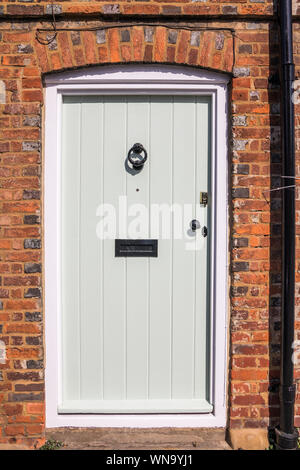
{"x":286,"y":433}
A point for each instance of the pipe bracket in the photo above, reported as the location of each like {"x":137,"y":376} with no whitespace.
{"x":285,"y":441}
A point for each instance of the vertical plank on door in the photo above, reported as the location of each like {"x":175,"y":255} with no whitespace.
{"x":91,"y":248}
{"x":183,"y":260}
{"x":137,"y":268}
{"x":160,"y":166}
{"x":202,"y":357}
{"x":70,"y":249}
{"x":114,"y":294}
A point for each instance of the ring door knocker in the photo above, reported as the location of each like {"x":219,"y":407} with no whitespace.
{"x":135,"y":156}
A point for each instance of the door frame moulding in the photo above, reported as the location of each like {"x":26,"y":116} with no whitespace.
{"x":124,"y":80}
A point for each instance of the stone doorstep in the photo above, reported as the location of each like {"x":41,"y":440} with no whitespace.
{"x":139,"y":439}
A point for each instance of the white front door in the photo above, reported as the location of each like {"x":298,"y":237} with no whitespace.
{"x":135,"y":329}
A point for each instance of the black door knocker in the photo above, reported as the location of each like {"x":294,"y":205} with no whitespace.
{"x":135,"y":156}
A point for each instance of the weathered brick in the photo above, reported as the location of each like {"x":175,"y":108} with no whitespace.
{"x":219,"y":41}
{"x":237,"y":291}
{"x":31,"y":146}
{"x":33,"y":316}
{"x":239,"y":144}
{"x":21,"y":328}
{"x":160,"y":45}
{"x":14,"y":376}
{"x":34,"y":408}
{"x":15,"y":430}
{"x":229,"y":10}
{"x":100,"y":36}
{"x":32,"y":10}
{"x":31,"y":194}
{"x":35,"y":364}
{"x":113,"y":41}
{"x":171,"y":10}
{"x":239,"y":120}
{"x":240,"y":192}
{"x":33,"y":340}
{"x":21,"y":281}
{"x":240,"y":242}
{"x":241,"y":169}
{"x":34,"y":429}
{"x":32,"y":268}
{"x":25,"y":48}
{"x":25,"y":397}
{"x":148,"y":53}
{"x":32,"y":244}
{"x":32,"y":292}
{"x":32,"y":121}
{"x":53,"y":9}
{"x":241,"y":71}
{"x":31,"y":219}
{"x":195,"y":38}
{"x":111,"y":9}
{"x":172,"y":36}
{"x":29,"y":388}
{"x":4,"y":147}
{"x":148,"y":34}
{"x":240,"y":266}
{"x":13,"y":410}
{"x":75,"y":38}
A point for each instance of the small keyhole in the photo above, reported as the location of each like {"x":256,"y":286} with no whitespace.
{"x":137,"y":190}
{"x":195,"y":224}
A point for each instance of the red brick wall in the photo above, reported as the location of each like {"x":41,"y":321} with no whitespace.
{"x":255,"y":282}
{"x":147,"y":8}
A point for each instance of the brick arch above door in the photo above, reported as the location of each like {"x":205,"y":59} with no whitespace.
{"x":210,"y":49}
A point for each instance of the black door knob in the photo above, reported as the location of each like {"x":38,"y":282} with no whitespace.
{"x":135,"y":156}
{"x":195,"y":224}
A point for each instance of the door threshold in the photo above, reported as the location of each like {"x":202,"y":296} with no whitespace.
{"x":135,"y":406}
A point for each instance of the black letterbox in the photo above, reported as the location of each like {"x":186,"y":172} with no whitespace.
{"x":136,"y":248}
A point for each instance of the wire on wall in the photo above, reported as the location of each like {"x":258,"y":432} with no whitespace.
{"x":43,"y":40}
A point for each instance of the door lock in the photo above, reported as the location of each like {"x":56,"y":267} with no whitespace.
{"x":195,"y":224}
{"x":203,"y":199}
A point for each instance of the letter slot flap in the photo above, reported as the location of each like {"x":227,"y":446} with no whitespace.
{"x":136,"y":248}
